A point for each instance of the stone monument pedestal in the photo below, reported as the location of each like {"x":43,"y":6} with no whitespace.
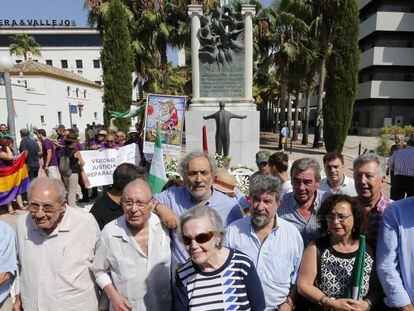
{"x":223,"y":75}
{"x":244,"y":134}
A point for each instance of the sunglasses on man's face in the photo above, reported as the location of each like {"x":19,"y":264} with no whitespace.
{"x":199,"y":238}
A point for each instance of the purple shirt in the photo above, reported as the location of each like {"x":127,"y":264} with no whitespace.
{"x":46,"y":145}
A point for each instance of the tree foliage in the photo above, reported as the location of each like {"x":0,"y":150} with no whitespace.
{"x":117,"y":61}
{"x":342,"y":76}
{"x":23,"y":44}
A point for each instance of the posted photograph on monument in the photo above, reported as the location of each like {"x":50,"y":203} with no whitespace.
{"x":167,"y":112}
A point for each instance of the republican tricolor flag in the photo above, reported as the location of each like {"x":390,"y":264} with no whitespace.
{"x":14,"y":180}
{"x":157,"y":177}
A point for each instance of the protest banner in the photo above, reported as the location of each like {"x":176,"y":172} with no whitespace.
{"x":100,"y":165}
{"x":168,"y":112}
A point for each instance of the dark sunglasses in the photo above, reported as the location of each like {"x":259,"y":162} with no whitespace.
{"x":199,"y":238}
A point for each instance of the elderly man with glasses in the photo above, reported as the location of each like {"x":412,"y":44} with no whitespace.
{"x":55,"y":247}
{"x":132,"y":260}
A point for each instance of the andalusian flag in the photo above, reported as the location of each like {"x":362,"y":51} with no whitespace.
{"x":157,"y":177}
{"x":14,"y":180}
{"x":355,"y":283}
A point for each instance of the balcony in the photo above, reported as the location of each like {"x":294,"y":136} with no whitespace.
{"x":387,"y":21}
{"x":386,"y":90}
{"x":384,"y":56}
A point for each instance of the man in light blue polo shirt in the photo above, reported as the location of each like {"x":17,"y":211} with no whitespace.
{"x":8,"y":264}
{"x":197,"y":170}
{"x":274,"y":244}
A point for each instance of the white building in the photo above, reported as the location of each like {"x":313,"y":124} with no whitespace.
{"x":45,"y":96}
{"x":77,"y":50}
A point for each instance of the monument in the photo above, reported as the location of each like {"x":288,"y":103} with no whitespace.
{"x":222,"y":71}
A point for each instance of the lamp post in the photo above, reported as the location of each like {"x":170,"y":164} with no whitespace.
{"x":6,"y":64}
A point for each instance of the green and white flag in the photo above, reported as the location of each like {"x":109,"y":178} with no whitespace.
{"x":157,"y":177}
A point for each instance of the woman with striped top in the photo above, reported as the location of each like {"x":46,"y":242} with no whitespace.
{"x":215,"y":277}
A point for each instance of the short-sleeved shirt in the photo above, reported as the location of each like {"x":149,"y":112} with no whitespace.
{"x":32,"y":148}
{"x":179,"y":200}
{"x":105,"y":210}
{"x":347,"y":187}
{"x":288,"y":210}
{"x":403,"y":161}
{"x":277,"y":273}
{"x":46,"y":145}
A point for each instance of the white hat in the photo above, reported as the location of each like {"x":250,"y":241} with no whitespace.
{"x":132,"y":129}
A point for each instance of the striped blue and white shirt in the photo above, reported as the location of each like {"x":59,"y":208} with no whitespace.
{"x":234,"y":286}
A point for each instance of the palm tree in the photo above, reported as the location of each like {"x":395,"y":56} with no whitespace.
{"x":24,"y":44}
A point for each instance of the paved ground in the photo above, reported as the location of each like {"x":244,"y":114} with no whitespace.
{"x":269,"y":141}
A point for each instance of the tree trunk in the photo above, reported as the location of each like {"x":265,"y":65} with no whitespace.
{"x":282,"y":116}
{"x":289,"y":116}
{"x":164,"y":64}
{"x":277,"y":117}
{"x":317,"y":139}
{"x":296,"y":118}
{"x":305,"y":137}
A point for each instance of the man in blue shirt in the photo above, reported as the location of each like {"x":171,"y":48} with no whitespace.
{"x":300,"y":207}
{"x":274,"y":244}
{"x":8,"y":264}
{"x":197,"y":170}
{"x":395,"y":254}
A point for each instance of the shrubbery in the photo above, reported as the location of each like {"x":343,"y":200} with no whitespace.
{"x":408,"y":130}
{"x":384,"y":145}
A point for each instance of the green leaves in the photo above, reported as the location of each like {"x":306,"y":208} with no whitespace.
{"x":24,"y":44}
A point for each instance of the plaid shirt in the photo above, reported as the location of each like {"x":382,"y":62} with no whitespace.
{"x":375,"y":220}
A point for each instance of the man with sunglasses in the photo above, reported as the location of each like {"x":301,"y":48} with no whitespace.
{"x":197,"y":170}
{"x":274,"y":244}
{"x":55,"y":246}
{"x":132,"y":260}
{"x":262,"y":159}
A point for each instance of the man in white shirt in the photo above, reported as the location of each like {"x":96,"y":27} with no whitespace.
{"x":55,"y":246}
{"x":336,"y":181}
{"x":132,"y":260}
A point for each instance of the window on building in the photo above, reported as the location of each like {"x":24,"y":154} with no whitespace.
{"x":79,"y":63}
{"x":77,"y":92}
{"x":68,"y":90}
{"x":98,"y":82}
{"x":84,"y":93}
{"x":96,"y":63}
{"x":49,"y":62}
{"x":80,"y":109}
{"x":42,"y":119}
{"x":64,"y":63}
{"x":95,"y":115}
{"x":60,"y":117}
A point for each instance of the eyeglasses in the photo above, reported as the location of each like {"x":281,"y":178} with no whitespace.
{"x":341,"y":218}
{"x":35,"y":207}
{"x":260,"y":164}
{"x":141,"y":205}
{"x":199,"y":238}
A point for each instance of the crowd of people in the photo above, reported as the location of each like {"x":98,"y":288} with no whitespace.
{"x":200,"y":244}
{"x":43,"y":154}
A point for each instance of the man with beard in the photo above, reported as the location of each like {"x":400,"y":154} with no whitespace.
{"x":55,"y":248}
{"x":132,"y":260}
{"x":336,"y":181}
{"x":197,"y":170}
{"x":301,"y":206}
{"x":274,"y":244}
{"x":369,"y":175}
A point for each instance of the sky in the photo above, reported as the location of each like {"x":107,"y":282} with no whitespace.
{"x":56,"y":9}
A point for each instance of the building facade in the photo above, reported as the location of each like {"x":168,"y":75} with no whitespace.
{"x":386,"y":77}
{"x":45,"y":97}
